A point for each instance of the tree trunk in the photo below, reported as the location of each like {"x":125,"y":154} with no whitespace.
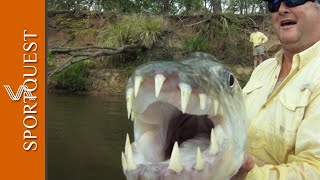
{"x":165,"y":6}
{"x":241,"y":6}
{"x":216,"y":6}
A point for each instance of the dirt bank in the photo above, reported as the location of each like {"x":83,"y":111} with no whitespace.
{"x":108,"y":74}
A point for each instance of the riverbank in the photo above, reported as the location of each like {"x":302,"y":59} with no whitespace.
{"x":165,"y":38}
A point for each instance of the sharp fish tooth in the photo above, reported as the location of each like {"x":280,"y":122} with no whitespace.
{"x":213,"y":143}
{"x":127,"y":145}
{"x":158,"y":82}
{"x":219,"y":134}
{"x":133,"y":116}
{"x":200,"y":163}
{"x":215,"y":106}
{"x":130,"y":161}
{"x":137,"y":82}
{"x":185,"y":95}
{"x":129,"y":101}
{"x":131,"y":165}
{"x":124,"y":162}
{"x":175,"y":161}
{"x":203,"y":101}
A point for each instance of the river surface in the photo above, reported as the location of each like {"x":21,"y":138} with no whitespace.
{"x":85,"y":137}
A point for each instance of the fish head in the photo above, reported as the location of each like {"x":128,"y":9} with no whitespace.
{"x":189,"y":120}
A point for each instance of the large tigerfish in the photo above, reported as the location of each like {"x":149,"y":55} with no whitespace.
{"x":189,"y":121}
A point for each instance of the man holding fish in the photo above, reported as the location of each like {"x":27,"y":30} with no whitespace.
{"x":283,"y":99}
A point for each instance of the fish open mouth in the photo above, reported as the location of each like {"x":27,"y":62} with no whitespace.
{"x":181,"y":126}
{"x":175,"y":132}
{"x":187,"y":128}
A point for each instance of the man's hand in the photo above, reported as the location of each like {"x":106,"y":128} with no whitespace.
{"x":247,"y":165}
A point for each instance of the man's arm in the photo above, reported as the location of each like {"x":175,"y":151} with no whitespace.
{"x":264,"y":38}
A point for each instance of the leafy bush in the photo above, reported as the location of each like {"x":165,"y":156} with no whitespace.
{"x":196,"y":43}
{"x":134,"y":30}
{"x":232,"y":44}
{"x":72,"y":78}
{"x":52,"y":62}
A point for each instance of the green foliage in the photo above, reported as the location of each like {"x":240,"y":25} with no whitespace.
{"x":228,"y":39}
{"x":72,"y":78}
{"x":196,"y":43}
{"x":134,"y":30}
{"x":190,"y":6}
{"x":122,"y":5}
{"x":156,"y":6}
{"x":52,"y":62}
{"x":70,"y":22}
{"x":246,"y":6}
{"x":88,"y":32}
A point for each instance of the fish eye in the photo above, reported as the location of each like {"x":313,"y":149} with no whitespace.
{"x":231,"y":79}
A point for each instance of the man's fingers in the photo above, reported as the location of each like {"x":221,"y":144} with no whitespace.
{"x":248,"y":163}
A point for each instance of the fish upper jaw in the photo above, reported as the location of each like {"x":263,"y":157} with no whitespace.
{"x":180,"y":94}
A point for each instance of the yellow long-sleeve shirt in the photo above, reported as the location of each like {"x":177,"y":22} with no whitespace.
{"x":284,"y":122}
{"x":258,"y":38}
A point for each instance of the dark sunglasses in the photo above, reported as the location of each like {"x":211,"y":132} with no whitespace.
{"x":274,"y":5}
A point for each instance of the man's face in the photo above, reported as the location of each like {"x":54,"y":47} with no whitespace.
{"x":297,"y":27}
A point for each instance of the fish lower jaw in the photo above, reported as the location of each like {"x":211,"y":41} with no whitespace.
{"x":163,"y":170}
{"x":197,"y":158}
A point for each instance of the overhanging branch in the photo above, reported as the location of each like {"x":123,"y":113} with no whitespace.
{"x":94,"y":51}
{"x":79,"y":54}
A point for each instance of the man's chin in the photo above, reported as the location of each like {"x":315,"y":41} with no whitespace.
{"x":288,"y":38}
{"x":288,"y":35}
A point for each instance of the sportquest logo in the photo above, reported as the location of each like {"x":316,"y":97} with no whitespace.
{"x":28,"y":91}
{"x":22,"y":89}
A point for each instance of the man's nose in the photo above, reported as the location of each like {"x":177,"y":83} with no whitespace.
{"x":283,"y":8}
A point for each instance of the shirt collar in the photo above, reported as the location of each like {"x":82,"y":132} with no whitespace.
{"x":308,"y":54}
{"x":278,"y":56}
{"x":303,"y":57}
